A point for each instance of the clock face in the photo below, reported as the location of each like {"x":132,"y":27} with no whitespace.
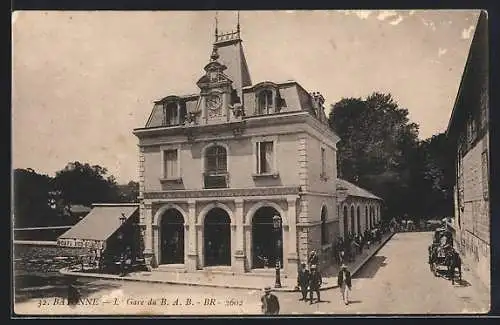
{"x":214,"y":102}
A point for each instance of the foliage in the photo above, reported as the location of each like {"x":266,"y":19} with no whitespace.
{"x":380,"y":151}
{"x":85,"y":184}
{"x":41,"y":200}
{"x":129,"y":193}
{"x":31,"y":197}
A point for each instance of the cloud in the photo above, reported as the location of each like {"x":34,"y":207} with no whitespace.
{"x":467,"y":32}
{"x":397,"y":21}
{"x":429,"y":24}
{"x":362,"y":14}
{"x":442,"y":52}
{"x":386,"y":14}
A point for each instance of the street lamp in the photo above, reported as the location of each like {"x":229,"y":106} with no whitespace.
{"x":277,"y":230}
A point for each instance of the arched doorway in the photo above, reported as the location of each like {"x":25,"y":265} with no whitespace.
{"x":346,"y":222}
{"x":367,"y":225}
{"x":217,"y":233}
{"x":352,"y":221}
{"x":267,"y":243}
{"x":371,"y":217}
{"x":172,"y":237}
{"x":358,"y":219}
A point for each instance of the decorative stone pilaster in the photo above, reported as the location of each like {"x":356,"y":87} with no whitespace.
{"x":192,"y":256}
{"x":147,"y":232}
{"x":239,"y":252}
{"x":292,"y":254}
{"x":302,"y":151}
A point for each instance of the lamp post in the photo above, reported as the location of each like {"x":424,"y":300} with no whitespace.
{"x":123,"y":218}
{"x":277,"y":230}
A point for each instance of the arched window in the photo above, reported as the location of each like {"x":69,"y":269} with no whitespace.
{"x":216,"y":160}
{"x":345,"y":221}
{"x":358,"y":220}
{"x":215,"y":175}
{"x":265,"y":102}
{"x":324,"y":230}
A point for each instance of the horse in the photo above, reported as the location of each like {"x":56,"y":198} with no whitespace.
{"x":453,"y":261}
{"x":433,"y":258}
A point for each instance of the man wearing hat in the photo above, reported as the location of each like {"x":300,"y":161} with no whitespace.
{"x":315,"y":282}
{"x":344,"y":282}
{"x":313,"y":258}
{"x":270,"y":303}
{"x":303,"y":281}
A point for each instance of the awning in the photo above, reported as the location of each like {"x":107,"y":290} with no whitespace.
{"x":93,"y":230}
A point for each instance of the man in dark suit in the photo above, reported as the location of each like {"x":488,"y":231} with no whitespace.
{"x":303,"y":281}
{"x":270,"y":303}
{"x":315,"y":282}
{"x":344,"y":282}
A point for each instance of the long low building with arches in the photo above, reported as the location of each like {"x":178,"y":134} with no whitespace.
{"x":240,"y":176}
{"x":360,"y":211}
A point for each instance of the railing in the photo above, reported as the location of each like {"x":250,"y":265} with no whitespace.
{"x":227,"y":36}
{"x":215,"y":180}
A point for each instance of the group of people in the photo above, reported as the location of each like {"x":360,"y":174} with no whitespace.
{"x":346,"y":249}
{"x":309,"y":281}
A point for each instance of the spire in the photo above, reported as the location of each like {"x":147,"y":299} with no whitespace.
{"x":238,"y":25}
{"x":216,"y":26}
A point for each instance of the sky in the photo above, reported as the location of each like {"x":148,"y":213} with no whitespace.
{"x":82,"y":81}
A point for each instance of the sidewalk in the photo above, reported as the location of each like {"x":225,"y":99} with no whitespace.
{"x":238,"y":281}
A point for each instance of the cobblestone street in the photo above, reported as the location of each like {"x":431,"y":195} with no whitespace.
{"x":397,"y":280}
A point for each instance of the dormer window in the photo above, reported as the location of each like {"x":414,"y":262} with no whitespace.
{"x":265,"y":102}
{"x":174,"y":112}
{"x":267,"y":98}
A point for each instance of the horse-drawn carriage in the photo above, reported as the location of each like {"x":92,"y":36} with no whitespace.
{"x":443,"y":255}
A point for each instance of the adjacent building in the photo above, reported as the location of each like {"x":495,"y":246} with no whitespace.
{"x":468,"y":130}
{"x":240,"y":175}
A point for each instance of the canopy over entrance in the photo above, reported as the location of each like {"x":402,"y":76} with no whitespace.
{"x":99,"y":225}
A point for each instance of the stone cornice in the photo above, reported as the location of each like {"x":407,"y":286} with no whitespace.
{"x":251,"y":121}
{"x":227,"y":192}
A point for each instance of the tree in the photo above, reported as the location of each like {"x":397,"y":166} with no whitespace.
{"x":85,"y":184}
{"x":380,"y":151}
{"x":434,"y":176}
{"x":377,"y":145}
{"x":31,"y":199}
{"x":129,"y":193}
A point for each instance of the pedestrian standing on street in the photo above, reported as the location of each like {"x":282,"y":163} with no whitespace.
{"x":270,"y":303}
{"x":344,"y":283}
{"x":313,"y":258}
{"x":303,"y":281}
{"x":73,"y":292}
{"x":315,"y":282}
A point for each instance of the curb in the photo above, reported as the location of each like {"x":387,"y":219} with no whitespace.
{"x":65,"y":271}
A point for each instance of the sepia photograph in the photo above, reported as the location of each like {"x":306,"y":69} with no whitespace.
{"x":250,"y":163}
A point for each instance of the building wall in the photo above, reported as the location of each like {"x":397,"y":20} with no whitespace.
{"x":242,"y":162}
{"x":316,"y":181}
{"x":473,"y":235}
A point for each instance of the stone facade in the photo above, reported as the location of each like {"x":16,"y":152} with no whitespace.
{"x":216,"y":167}
{"x":468,"y":130}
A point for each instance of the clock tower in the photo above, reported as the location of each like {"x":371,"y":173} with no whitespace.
{"x":217,"y":94}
